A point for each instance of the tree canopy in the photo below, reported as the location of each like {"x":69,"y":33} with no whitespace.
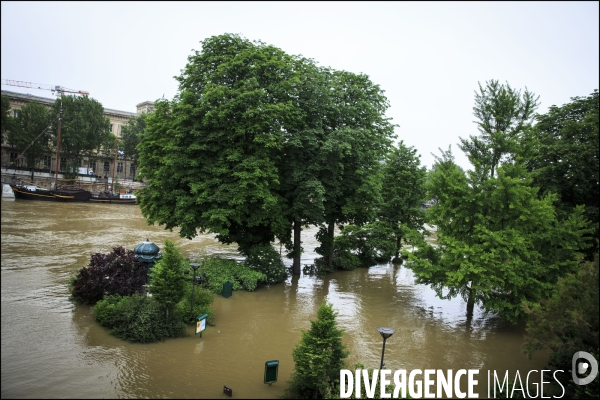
{"x":130,"y":135}
{"x":30,"y":132}
{"x":403,"y":192}
{"x":499,"y":241}
{"x":84,"y":127}
{"x":565,"y":157}
{"x":258,"y":141}
{"x":502,"y":115}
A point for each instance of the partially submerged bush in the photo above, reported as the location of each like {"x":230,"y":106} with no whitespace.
{"x":137,"y":318}
{"x":108,"y":274}
{"x":203,"y":298}
{"x":219,"y":271}
{"x":363,"y":245}
{"x":265,"y":259}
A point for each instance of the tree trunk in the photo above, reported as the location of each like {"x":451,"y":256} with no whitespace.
{"x":330,"y":230}
{"x":398,"y":241}
{"x":470,"y":303}
{"x":297,"y":230}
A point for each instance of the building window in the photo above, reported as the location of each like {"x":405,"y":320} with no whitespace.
{"x":110,"y":128}
{"x":93,"y":166}
{"x":106,"y":167}
{"x":47,"y":162}
{"x":15,"y":113}
{"x":120,"y":167}
{"x":132,"y":170}
{"x":63,"y":164}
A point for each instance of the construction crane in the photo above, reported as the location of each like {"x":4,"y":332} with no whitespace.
{"x":55,"y":89}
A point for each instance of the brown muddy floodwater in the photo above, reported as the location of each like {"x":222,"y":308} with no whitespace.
{"x":52,"y":348}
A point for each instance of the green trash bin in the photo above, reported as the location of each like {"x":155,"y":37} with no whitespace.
{"x":227,"y":289}
{"x":271,"y":368}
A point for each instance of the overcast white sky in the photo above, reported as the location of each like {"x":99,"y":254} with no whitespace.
{"x":428,"y":57}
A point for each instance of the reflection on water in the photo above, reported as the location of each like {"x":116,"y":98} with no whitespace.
{"x":52,"y":348}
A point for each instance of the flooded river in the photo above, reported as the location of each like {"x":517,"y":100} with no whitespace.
{"x":52,"y":348}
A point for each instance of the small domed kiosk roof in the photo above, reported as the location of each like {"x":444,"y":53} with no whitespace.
{"x":147,"y":251}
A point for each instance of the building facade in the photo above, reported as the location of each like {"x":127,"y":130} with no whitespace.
{"x":102,"y":165}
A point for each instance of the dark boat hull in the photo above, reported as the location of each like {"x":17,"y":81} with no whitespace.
{"x":111,"y":200}
{"x":64,"y":195}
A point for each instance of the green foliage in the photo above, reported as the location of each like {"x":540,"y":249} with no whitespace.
{"x":372,"y":243}
{"x":566,"y":323}
{"x":265,"y":259}
{"x":167,"y":283}
{"x":498,"y":243}
{"x":84,"y":127}
{"x":219,"y":271}
{"x":503,"y":115}
{"x":30,"y":133}
{"x":564,"y":158}
{"x":318,"y":358}
{"x":403,"y":192}
{"x":131,"y":134}
{"x":210,"y":155}
{"x":257,"y":141}
{"x":203,"y":298}
{"x":137,"y":318}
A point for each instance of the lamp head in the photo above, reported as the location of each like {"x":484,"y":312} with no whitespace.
{"x":195,"y":266}
{"x":385,"y":332}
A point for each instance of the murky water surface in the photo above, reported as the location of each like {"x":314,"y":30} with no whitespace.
{"x":52,"y":348}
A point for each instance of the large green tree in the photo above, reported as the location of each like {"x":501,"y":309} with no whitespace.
{"x":259,"y":142}
{"x":84,"y":128}
{"x":359,"y":135}
{"x":500,"y":243}
{"x":30,"y":133}
{"x":565,"y":157}
{"x":403,"y":192}
{"x":210,"y":156}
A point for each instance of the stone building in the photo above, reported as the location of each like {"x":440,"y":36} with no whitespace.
{"x":103,"y":165}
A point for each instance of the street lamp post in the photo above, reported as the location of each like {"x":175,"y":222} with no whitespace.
{"x":385,"y":334}
{"x":195,"y":267}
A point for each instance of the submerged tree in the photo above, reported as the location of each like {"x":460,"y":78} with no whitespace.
{"x":403,"y":192}
{"x":318,"y":358}
{"x":500,"y":244}
{"x":258,"y":143}
{"x":210,"y":156}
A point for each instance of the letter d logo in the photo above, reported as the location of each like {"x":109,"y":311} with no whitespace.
{"x":583,"y":367}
